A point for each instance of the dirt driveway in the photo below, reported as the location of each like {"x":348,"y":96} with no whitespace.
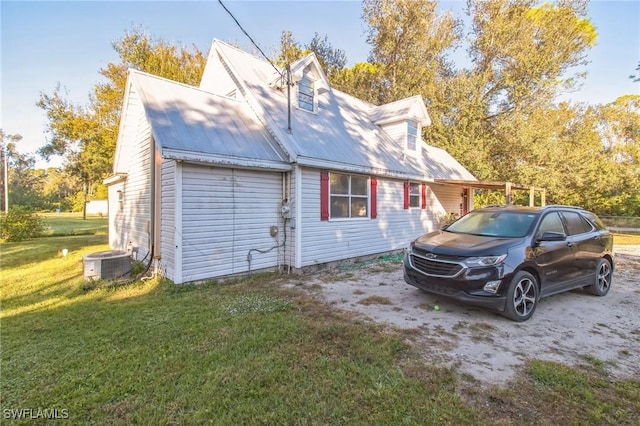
{"x":567,"y":328}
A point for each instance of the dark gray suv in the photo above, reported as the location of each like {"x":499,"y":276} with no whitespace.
{"x":506,"y":258}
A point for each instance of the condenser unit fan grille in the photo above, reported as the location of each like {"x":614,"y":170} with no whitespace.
{"x":107,"y":265}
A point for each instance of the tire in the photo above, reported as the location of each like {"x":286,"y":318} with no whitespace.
{"x":602,"y":282}
{"x":522,"y":297}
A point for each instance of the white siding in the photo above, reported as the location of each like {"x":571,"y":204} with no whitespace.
{"x":225,"y":214}
{"x":447,"y":198}
{"x":397,"y":131}
{"x":394,"y":227}
{"x":292,"y":224}
{"x":130,"y":224}
{"x":168,"y":218}
{"x":116,"y":213}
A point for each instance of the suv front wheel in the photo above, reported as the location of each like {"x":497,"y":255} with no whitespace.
{"x":522,"y":297}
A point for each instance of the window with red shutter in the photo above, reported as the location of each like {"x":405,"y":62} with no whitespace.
{"x":345,"y":196}
{"x":324,"y":195}
{"x":374,"y":198}
{"x":406,"y":195}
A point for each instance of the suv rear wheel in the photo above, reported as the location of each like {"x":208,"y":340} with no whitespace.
{"x":602,"y":282}
{"x":522,"y":297}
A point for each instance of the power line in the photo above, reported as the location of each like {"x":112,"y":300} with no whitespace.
{"x":253,"y":42}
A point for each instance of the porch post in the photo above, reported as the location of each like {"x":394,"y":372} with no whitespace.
{"x":532,"y":194}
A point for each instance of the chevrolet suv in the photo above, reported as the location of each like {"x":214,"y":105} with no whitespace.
{"x":506,"y":258}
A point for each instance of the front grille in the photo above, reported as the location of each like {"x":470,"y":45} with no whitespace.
{"x":441,"y":257}
{"x":435,"y":267}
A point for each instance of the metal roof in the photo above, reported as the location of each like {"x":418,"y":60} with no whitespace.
{"x":189,"y":123}
{"x":342,"y":133}
{"x":412,"y":107}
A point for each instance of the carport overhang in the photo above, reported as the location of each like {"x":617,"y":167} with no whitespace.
{"x":508,"y":188}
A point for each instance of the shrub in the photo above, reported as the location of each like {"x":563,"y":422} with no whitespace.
{"x":21,"y":223}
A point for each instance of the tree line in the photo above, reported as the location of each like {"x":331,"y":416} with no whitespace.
{"x":500,"y":114}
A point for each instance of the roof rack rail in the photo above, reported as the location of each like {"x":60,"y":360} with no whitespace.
{"x":562,"y":205}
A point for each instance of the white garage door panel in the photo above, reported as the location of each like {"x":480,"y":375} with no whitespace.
{"x":226,"y":213}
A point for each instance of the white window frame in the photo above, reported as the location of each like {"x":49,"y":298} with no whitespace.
{"x":415,"y":196}
{"x":120,"y":194}
{"x":349,"y":197}
{"x":313,"y":94}
{"x":412,"y":138}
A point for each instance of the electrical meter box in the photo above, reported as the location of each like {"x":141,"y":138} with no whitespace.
{"x":285,"y":210}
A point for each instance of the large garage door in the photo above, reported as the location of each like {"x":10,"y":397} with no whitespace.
{"x":225,"y":214}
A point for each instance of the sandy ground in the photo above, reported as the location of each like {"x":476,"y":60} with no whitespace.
{"x":568,"y":327}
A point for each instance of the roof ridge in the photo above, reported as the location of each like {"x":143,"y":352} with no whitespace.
{"x":231,"y":46}
{"x":399,"y":100}
{"x":178,"y":83}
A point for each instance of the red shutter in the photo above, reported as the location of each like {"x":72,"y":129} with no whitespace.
{"x":374,"y":198}
{"x":324,"y":195}
{"x":424,"y":195}
{"x":406,"y":195}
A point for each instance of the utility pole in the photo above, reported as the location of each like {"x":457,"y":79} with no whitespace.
{"x":6,"y":179}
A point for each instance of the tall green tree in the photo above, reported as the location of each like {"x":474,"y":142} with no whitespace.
{"x":499,"y":115}
{"x":23,"y":184}
{"x":409,"y":44}
{"x":331,"y":59}
{"x":619,"y":129}
{"x":86,"y":134}
{"x":521,"y":56}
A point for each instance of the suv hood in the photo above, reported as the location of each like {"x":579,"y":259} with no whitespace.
{"x":450,"y":243}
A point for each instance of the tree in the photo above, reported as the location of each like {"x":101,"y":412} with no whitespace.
{"x":636,"y":77}
{"x":86,"y":135}
{"x":7,"y":147}
{"x":619,"y":130}
{"x":290,"y":49}
{"x":59,"y":188}
{"x":409,"y":44}
{"x":499,"y":115}
{"x":331,"y":60}
{"x":23,"y":184}
{"x":363,"y":80}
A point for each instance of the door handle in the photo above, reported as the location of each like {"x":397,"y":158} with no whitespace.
{"x":570,"y":244}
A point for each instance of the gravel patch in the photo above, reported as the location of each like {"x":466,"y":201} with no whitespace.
{"x":570,"y":327}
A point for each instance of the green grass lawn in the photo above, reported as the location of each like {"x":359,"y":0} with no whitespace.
{"x":245,"y":352}
{"x":626,"y":239}
{"x":60,"y":224}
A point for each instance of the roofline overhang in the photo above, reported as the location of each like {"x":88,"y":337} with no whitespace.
{"x":484,"y":184}
{"x":115,"y":178}
{"x":365,"y":170}
{"x":225,"y":160}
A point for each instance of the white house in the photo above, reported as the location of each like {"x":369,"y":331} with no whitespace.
{"x":236,"y":175}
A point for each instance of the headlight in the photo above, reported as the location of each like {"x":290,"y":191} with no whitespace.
{"x":484,"y":260}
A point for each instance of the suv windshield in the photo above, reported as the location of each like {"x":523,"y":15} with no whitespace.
{"x":494,"y":224}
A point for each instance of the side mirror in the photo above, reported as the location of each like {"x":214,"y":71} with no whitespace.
{"x":552,"y":236}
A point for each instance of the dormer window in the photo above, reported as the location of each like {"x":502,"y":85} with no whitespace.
{"x":306,"y":94}
{"x":412,"y":135}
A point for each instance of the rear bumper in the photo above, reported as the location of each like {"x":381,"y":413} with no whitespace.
{"x":458,"y":288}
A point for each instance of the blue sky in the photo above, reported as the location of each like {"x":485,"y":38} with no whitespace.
{"x":46,"y":43}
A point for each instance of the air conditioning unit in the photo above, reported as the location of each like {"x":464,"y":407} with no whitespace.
{"x":107,"y":265}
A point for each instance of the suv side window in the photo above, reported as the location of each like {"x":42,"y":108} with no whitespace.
{"x":550,"y":223}
{"x":576,"y":224}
